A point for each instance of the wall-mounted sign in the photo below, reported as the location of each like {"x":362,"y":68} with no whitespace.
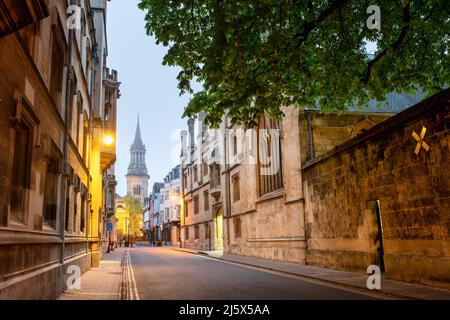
{"x":421,"y":144}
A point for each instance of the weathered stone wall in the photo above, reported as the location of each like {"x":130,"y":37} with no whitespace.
{"x":272,"y":226}
{"x":413,"y":193}
{"x":33,"y":257}
{"x":331,"y":130}
{"x":203,"y":217}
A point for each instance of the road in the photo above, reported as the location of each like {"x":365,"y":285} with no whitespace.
{"x":166,"y":274}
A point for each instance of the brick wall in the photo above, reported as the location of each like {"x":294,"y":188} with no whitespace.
{"x":413,"y":191}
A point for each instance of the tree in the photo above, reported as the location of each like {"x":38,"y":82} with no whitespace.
{"x":134,"y":211}
{"x":256,"y":56}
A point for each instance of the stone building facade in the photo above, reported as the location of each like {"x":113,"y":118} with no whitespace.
{"x":254,"y":180}
{"x":383,"y":198}
{"x":53,"y":159}
{"x":170,"y":207}
{"x":156,"y":213}
{"x":201,"y":218}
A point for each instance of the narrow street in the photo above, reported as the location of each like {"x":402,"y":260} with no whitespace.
{"x":165,"y":274}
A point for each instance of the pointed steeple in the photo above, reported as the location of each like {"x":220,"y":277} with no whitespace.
{"x":137,"y":136}
{"x":137,"y":165}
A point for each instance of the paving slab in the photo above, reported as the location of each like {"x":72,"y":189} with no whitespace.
{"x":102,"y":283}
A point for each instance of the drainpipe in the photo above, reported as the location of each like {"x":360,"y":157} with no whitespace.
{"x":227,"y":181}
{"x":66,"y":139}
{"x":310,"y":135}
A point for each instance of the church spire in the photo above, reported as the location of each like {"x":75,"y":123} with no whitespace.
{"x":138,"y":137}
{"x":137,"y":165}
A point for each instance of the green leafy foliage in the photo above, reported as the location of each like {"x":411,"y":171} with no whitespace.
{"x":134,"y":210}
{"x":256,"y":56}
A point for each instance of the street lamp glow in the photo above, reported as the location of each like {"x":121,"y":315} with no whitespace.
{"x":108,"y":140}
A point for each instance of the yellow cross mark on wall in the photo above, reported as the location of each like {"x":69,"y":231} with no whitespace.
{"x":420,"y":141}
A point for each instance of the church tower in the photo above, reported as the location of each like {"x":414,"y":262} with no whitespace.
{"x":137,"y":176}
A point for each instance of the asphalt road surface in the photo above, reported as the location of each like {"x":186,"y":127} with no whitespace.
{"x":166,"y":274}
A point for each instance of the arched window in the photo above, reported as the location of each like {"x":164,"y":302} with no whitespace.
{"x":137,"y":190}
{"x":362,"y":127}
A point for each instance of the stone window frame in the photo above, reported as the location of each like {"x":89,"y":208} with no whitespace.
{"x":137,"y":190}
{"x":362,"y":126}
{"x":196,"y":200}
{"x":237,"y":226}
{"x":195,"y":169}
{"x":56,"y":156}
{"x":58,"y":44}
{"x":207,"y":231}
{"x":186,"y":233}
{"x":206,"y":202}
{"x":205,"y":168}
{"x":197,"y":232}
{"x":23,"y":113}
{"x":274,"y":183}
{"x":236,"y":182}
{"x":186,"y":209}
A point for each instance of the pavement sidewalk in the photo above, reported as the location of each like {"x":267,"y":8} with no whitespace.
{"x":102,"y":283}
{"x":390,"y":288}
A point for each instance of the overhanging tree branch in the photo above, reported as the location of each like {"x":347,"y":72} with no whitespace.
{"x":394,"y":47}
{"x":309,"y":26}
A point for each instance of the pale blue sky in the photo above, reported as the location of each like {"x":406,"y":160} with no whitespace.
{"x":148,"y":88}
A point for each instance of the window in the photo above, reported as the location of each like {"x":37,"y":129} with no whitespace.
{"x":79,"y":114}
{"x":215,"y":176}
{"x":68,"y":190}
{"x":21,"y":170}
{"x":196,"y":205}
{"x":186,"y":209}
{"x":207,"y":231}
{"x":361,"y":127}
{"x":186,"y":233}
{"x":51,"y":191}
{"x":197,"y":232}
{"x":237,"y":227}
{"x":72,"y":108}
{"x":185,"y":181}
{"x":269,"y":156}
{"x":236,"y":188}
{"x":137,"y":190}
{"x":29,"y":35}
{"x":205,"y":200}
{"x":85,"y":137}
{"x":205,"y":168}
{"x":57,"y":66}
{"x":195,"y":173}
{"x":235,"y":145}
{"x":83,"y":209}
{"x":75,"y":202}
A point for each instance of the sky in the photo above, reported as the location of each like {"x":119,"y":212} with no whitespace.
{"x":148,"y":88}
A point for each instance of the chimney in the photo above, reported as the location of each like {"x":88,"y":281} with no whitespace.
{"x":202,"y":125}
{"x":191,"y":125}
{"x":184,"y":139}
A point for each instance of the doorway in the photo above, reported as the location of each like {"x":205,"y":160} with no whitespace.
{"x":379,"y":236}
{"x":218,"y":230}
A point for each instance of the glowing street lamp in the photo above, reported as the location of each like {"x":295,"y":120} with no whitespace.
{"x":108,"y":140}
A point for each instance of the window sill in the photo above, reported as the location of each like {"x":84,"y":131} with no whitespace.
{"x":271,"y":196}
